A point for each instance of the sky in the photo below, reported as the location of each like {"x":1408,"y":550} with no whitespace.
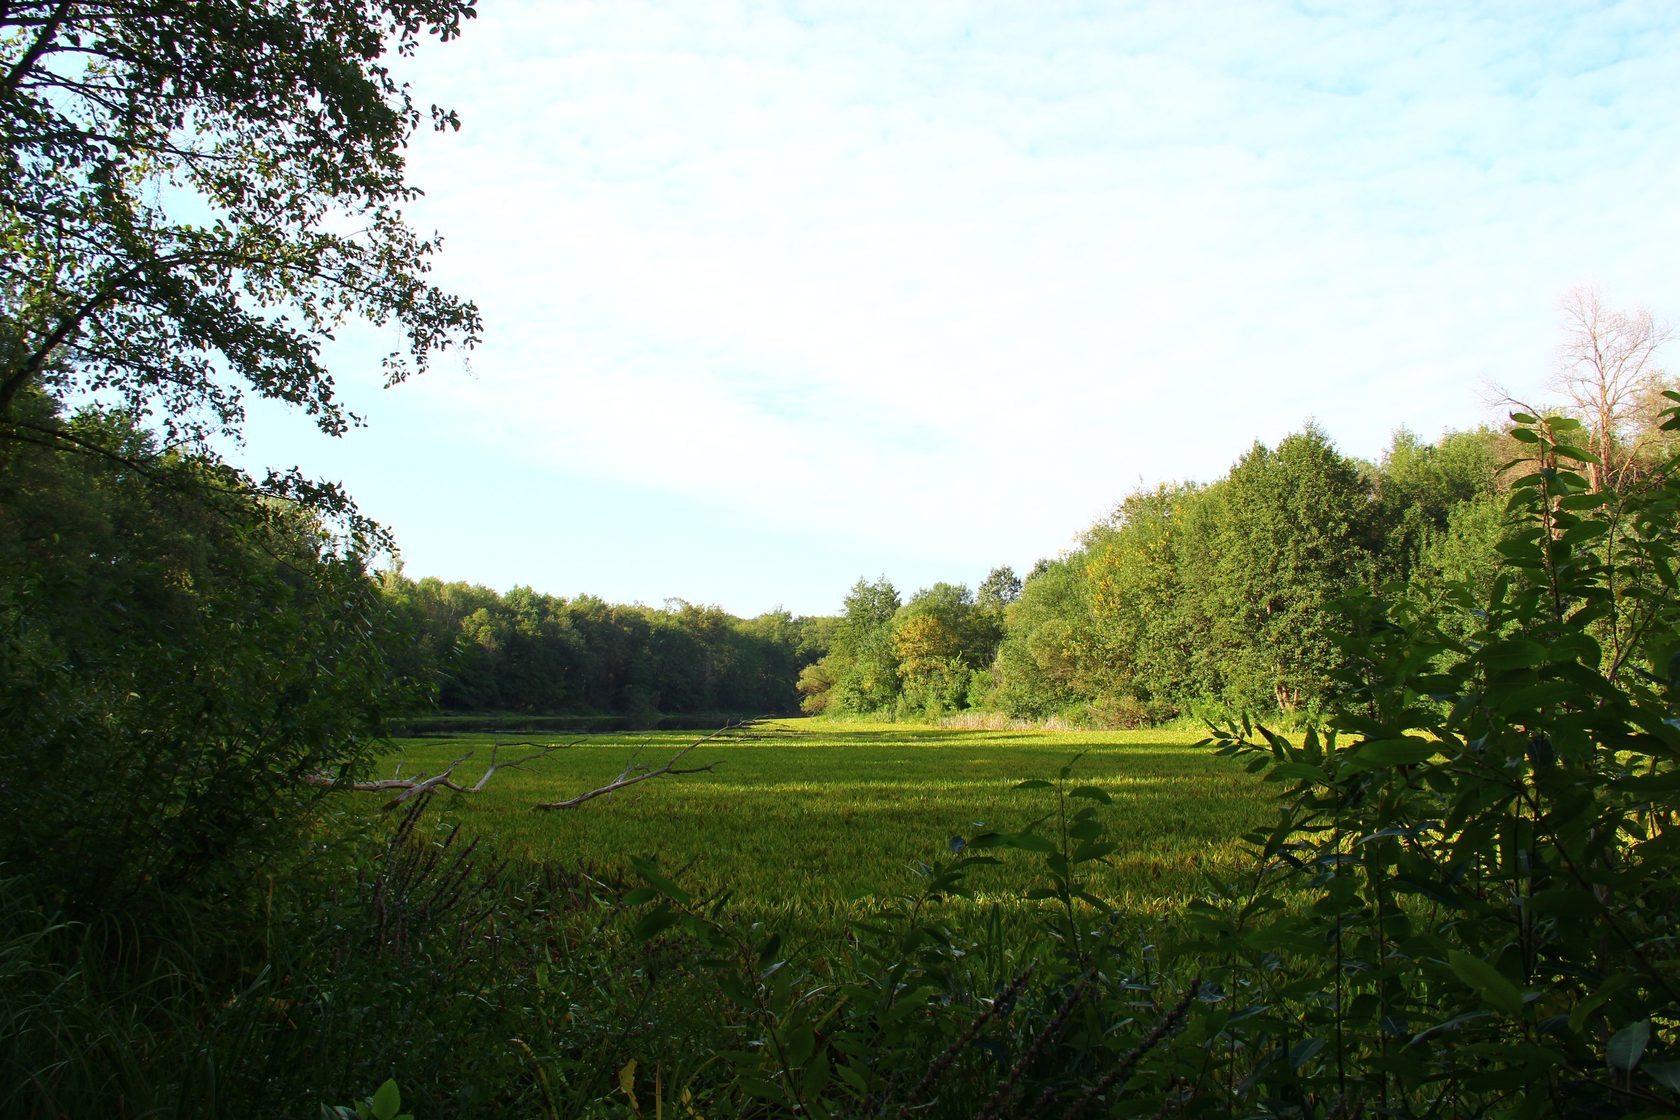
{"x":781,"y":296}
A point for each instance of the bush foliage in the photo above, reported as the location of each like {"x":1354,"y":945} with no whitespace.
{"x":179,"y":656}
{"x":1482,"y":832}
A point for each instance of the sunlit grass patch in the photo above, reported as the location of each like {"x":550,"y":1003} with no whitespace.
{"x":823,"y":820}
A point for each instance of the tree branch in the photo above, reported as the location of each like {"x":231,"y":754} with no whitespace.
{"x":444,"y":779}
{"x":634,"y":773}
{"x":43,"y":40}
{"x":542,"y":752}
{"x":410,"y":787}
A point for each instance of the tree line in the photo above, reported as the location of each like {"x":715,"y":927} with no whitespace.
{"x":531,"y":652}
{"x":1187,"y":596}
{"x":1219,"y":596}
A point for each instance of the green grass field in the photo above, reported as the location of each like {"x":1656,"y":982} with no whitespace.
{"x":818,"y":820}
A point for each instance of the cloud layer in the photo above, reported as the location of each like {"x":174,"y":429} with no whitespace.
{"x":919,"y":289}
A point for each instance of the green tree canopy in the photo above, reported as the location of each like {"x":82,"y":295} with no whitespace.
{"x":175,"y":666}
{"x":194,"y":196}
{"x":1000,"y":588}
{"x":1294,"y":536}
{"x":1419,"y":485}
{"x":1037,"y":669}
{"x":859,"y":674}
{"x":940,"y":638}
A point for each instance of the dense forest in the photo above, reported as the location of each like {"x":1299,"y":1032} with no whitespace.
{"x":524,"y":651}
{"x":1189,"y":597}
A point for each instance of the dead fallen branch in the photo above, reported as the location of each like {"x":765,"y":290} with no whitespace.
{"x":444,"y":779}
{"x":637,"y":772}
{"x":634,"y":773}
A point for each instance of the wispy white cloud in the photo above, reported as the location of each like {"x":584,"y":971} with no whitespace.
{"x":943,"y":281}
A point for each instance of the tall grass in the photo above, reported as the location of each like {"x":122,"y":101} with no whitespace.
{"x":818,"y":822}
{"x":489,"y":958}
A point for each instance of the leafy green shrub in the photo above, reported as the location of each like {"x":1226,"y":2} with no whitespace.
{"x":1125,"y":712}
{"x":385,"y":1103}
{"x":1483,"y":838}
{"x":177,"y":657}
{"x":916,"y":1014}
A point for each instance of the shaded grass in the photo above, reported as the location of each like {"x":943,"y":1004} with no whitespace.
{"x":820,"y":820}
{"x":358,"y":964}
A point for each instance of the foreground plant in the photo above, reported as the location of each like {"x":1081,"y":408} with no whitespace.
{"x":1484,"y":835}
{"x":917,"y":1013}
{"x":384,"y":1104}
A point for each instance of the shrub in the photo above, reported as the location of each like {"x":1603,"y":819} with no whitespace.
{"x":1483,"y":834}
{"x":176,"y":657}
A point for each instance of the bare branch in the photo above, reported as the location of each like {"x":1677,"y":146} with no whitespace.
{"x":43,"y":40}
{"x":1607,"y":367}
{"x":543,"y":751}
{"x":443,"y":779}
{"x":634,"y":773}
{"x":411,"y":787}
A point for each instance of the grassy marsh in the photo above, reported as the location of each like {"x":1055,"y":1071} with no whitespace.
{"x":803,"y":817}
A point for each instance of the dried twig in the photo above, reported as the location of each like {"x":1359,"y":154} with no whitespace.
{"x":1002,"y":1004}
{"x":1002,"y":1097}
{"x":444,"y":779}
{"x":1167,"y":1024}
{"x":635,"y":772}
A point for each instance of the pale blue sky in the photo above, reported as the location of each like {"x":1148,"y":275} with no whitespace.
{"x":781,"y":295}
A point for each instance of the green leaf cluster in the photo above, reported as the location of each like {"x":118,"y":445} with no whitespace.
{"x":1483,"y":834}
{"x":197,"y":196}
{"x":181,"y":657}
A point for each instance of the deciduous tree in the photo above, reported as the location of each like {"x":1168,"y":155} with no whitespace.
{"x":1607,"y":370}
{"x":1291,"y":541}
{"x":172,"y":665}
{"x":194,"y":196}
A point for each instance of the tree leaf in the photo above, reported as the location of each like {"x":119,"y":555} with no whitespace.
{"x":1303,"y":770}
{"x":1394,"y":752}
{"x":1487,"y":982}
{"x":649,"y":870}
{"x":655,"y":922}
{"x":1090,"y":851}
{"x":1627,"y":1045}
{"x":800,"y":1044}
{"x":387,"y":1100}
